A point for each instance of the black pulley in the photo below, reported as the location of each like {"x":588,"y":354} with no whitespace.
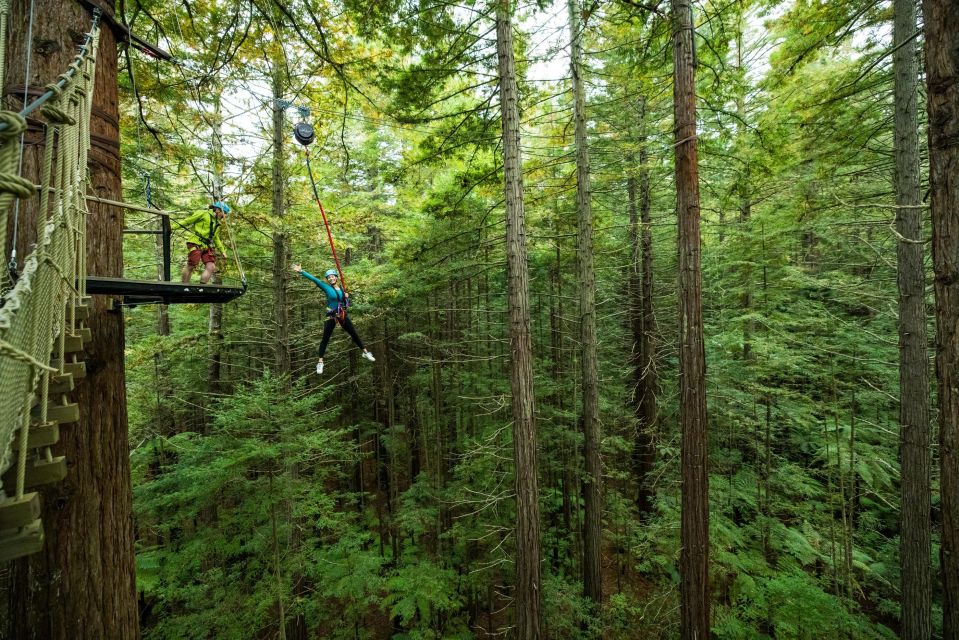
{"x":304,"y":134}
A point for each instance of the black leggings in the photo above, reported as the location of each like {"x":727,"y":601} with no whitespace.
{"x":328,"y":331}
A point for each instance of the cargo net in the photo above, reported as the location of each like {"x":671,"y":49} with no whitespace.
{"x":39,"y":312}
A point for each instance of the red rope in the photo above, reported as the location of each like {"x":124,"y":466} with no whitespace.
{"x":329,"y":234}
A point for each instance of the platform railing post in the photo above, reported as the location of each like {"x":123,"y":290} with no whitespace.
{"x":165,"y":222}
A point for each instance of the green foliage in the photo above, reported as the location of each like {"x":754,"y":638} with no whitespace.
{"x":391,"y":484}
{"x":421,"y":596}
{"x":209,"y":501}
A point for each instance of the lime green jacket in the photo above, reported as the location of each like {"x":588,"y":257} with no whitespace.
{"x":204,"y":230}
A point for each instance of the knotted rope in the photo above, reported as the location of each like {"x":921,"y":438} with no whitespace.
{"x":38,"y":312}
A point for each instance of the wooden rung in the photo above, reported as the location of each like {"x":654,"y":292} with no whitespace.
{"x":60,"y":413}
{"x":38,"y":472}
{"x":73,"y":343}
{"x":61,"y":383}
{"x":78,"y":370}
{"x":82,"y":311}
{"x":22,"y":542}
{"x":19,"y":512}
{"x":43,"y":472}
{"x":41,"y":435}
{"x":58,"y":386}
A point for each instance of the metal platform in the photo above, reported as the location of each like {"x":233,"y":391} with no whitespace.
{"x":136,"y":292}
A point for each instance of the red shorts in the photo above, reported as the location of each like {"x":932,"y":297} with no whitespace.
{"x":198,"y":255}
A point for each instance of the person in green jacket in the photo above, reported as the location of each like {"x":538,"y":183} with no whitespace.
{"x":204,"y":229}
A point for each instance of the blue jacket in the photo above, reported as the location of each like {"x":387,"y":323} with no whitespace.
{"x":334,"y":295}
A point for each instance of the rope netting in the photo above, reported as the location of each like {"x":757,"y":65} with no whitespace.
{"x":38,"y":312}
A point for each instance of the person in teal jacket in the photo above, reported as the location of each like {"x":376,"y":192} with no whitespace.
{"x":337,"y":302}
{"x":204,"y":229}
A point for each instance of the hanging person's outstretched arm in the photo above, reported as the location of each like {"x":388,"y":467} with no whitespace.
{"x":327,"y":289}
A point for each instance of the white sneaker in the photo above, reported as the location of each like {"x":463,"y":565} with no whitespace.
{"x":369,"y":356}
{"x":319,"y":367}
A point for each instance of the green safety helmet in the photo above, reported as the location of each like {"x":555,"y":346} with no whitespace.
{"x":331,"y":272}
{"x":222,"y":206}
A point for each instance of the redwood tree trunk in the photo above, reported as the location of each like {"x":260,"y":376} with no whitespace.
{"x":281,"y":344}
{"x":82,"y":584}
{"x":941,"y":26}
{"x":215,"y":326}
{"x":593,"y":480}
{"x":642,"y":324}
{"x":915,"y":526}
{"x":694,"y":531}
{"x":528,"y":587}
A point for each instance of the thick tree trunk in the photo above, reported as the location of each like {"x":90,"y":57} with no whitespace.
{"x":941,"y":20}
{"x":694,"y":533}
{"x":642,"y":322}
{"x":593,"y":480}
{"x":528,"y":586}
{"x":648,"y":408}
{"x":281,"y":343}
{"x":215,"y":328}
{"x":215,"y":334}
{"x":743,"y":189}
{"x":915,"y":526}
{"x":82,"y":584}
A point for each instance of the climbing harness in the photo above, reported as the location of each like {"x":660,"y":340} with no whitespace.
{"x":304,"y":134}
{"x":214,"y":226}
{"x":342,"y":302}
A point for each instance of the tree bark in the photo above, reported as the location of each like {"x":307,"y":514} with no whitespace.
{"x":642,"y":323}
{"x":648,"y":409}
{"x":941,"y":27}
{"x":82,"y":584}
{"x":743,"y":189}
{"x":915,"y":545}
{"x":528,"y":587}
{"x":281,"y":343}
{"x":215,"y":328}
{"x":694,"y":530}
{"x":592,"y":436}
